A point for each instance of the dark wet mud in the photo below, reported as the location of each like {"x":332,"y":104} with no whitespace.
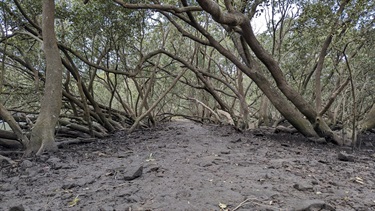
{"x":187,"y":166}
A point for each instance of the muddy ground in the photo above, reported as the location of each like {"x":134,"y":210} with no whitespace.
{"x":187,"y":166}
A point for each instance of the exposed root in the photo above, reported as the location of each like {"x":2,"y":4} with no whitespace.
{"x":76,"y":141}
{"x":10,"y":161}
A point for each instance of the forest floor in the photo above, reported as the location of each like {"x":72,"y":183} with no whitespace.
{"x":184,"y":165}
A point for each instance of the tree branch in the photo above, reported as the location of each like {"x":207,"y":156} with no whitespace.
{"x":168,"y":8}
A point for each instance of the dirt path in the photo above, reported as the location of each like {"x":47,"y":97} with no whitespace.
{"x":187,"y":166}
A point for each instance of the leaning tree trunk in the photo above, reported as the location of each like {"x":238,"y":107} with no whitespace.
{"x":264,"y":114}
{"x":42,"y":135}
{"x":294,"y":117}
{"x":7,"y":116}
{"x":369,"y":121}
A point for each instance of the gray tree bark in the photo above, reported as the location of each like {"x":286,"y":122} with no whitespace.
{"x":43,"y":133}
{"x":4,"y":113}
{"x":369,"y":121}
{"x":292,"y":114}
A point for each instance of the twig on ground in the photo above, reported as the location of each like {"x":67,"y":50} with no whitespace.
{"x":257,"y":203}
{"x":242,"y":203}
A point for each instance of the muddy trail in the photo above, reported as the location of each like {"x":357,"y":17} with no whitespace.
{"x":188,"y":166}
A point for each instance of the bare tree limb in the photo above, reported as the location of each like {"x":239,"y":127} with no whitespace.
{"x":137,"y":121}
{"x":160,"y":7}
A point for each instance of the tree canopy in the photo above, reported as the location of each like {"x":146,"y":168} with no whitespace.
{"x":129,"y":64}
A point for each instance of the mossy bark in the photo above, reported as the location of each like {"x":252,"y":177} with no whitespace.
{"x":323,"y":130}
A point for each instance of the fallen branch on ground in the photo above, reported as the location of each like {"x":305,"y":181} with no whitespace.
{"x":76,"y":141}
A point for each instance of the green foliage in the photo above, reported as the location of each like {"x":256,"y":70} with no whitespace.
{"x":112,"y":37}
